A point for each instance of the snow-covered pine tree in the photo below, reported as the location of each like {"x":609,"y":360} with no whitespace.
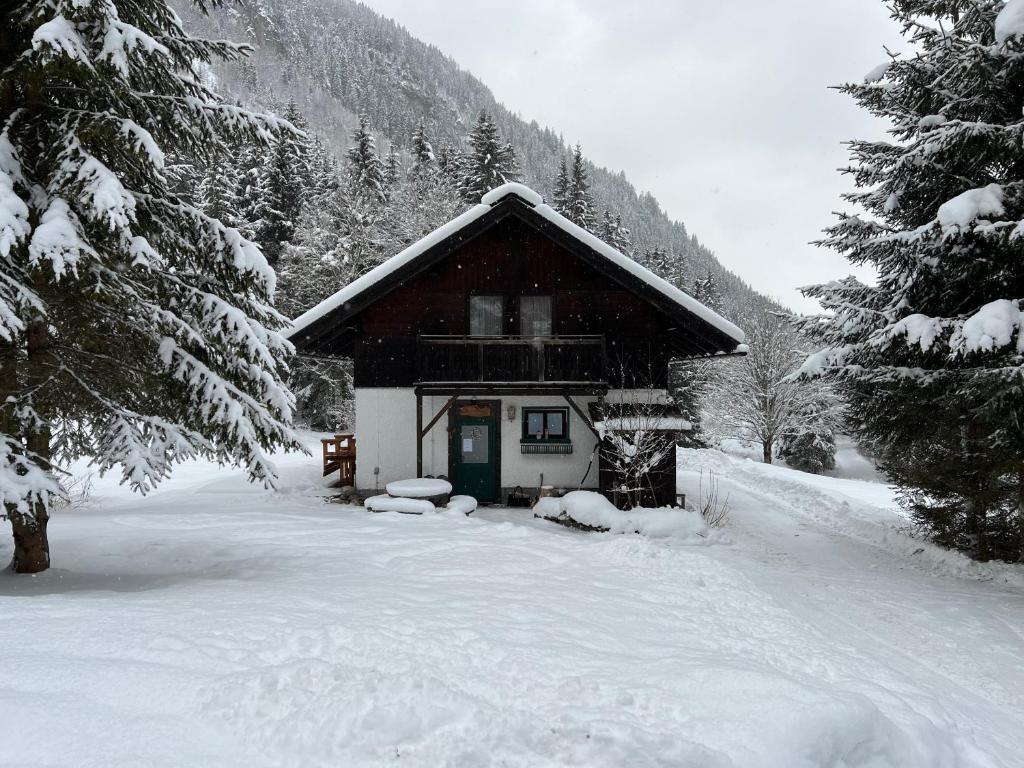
{"x":560,"y":197}
{"x":579,"y":203}
{"x":449,"y":162}
{"x":706,"y":291}
{"x":392,"y":171}
{"x":323,"y":170}
{"x":218,"y":189}
{"x":366,"y":170}
{"x":613,"y":232}
{"x":426,"y":201}
{"x":299,"y":145}
{"x":423,"y":161}
{"x":248,"y":161}
{"x":136,"y":329}
{"x":282,"y":187}
{"x":488,"y":163}
{"x":659,"y":261}
{"x":931,"y":355}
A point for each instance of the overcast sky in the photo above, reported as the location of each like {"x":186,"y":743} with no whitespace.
{"x":721,"y":109}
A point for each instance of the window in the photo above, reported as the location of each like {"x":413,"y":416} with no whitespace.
{"x":535,"y":315}
{"x":486,"y":315}
{"x":545,"y":424}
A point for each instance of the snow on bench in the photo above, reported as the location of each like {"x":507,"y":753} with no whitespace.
{"x":385,"y":503}
{"x":464,"y":505}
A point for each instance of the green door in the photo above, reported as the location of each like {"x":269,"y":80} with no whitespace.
{"x":474,"y":455}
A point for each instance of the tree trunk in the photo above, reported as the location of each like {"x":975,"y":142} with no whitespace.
{"x":766,"y":447}
{"x":31,"y":544}
{"x":977,"y":526}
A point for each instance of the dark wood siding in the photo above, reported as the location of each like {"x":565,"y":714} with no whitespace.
{"x":510,"y":259}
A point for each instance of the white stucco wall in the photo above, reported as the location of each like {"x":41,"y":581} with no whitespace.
{"x":386,"y":440}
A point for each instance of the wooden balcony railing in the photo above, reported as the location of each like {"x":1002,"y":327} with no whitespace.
{"x":512,"y":359}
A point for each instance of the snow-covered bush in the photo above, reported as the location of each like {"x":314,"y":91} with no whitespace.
{"x":810,"y":451}
{"x":591,"y":511}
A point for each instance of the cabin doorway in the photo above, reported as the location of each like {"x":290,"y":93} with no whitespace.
{"x":475,"y":454}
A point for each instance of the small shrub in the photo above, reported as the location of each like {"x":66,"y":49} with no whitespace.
{"x":712,"y":507}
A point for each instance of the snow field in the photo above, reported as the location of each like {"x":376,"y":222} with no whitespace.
{"x":218,"y":624}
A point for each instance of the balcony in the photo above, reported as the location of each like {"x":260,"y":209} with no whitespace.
{"x":512,"y":359}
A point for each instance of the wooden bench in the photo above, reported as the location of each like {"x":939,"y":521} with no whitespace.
{"x":340,"y":456}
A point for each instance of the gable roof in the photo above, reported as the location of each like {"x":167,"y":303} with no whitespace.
{"x":526,"y":203}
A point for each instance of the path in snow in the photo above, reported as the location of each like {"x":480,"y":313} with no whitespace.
{"x":912,"y":618}
{"x":217,"y":624}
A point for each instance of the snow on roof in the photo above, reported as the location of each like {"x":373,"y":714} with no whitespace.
{"x":521,"y":191}
{"x":642,"y":423}
{"x":534,"y":200}
{"x":662,"y":286}
{"x":376,"y":274}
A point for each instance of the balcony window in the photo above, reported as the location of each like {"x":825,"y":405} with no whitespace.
{"x":546,"y":425}
{"x":535,"y":315}
{"x":486,"y":315}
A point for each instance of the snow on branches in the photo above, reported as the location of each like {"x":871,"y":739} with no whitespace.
{"x":138,"y":324}
{"x":931,"y":355}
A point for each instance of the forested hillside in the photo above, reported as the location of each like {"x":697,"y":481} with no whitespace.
{"x":338,"y":59}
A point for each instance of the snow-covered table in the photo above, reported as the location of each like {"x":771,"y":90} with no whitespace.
{"x":420,"y":488}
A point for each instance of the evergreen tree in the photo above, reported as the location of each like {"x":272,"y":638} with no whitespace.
{"x":281,"y":187}
{"x":423,"y":161}
{"x":579,"y":205}
{"x":659,"y":261}
{"x":560,"y":198}
{"x":248,"y":162}
{"x":323,"y":170}
{"x":392,"y":171}
{"x":279,"y":201}
{"x":366,"y":170}
{"x":299,"y":145}
{"x":488,"y":164}
{"x":135,"y":328}
{"x":931,"y":356}
{"x":218,"y":190}
{"x":449,"y":163}
{"x":611,"y":231}
{"x":706,"y":291}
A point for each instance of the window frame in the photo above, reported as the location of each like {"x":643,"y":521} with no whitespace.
{"x":469,"y":314}
{"x":526,"y":437}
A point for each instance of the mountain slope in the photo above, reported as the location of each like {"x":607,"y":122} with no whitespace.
{"x":338,"y":58}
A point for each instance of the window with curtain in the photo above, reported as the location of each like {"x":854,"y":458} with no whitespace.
{"x":486,"y":315}
{"x":535,"y":315}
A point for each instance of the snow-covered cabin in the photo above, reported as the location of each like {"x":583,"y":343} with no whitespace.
{"x":479,"y":350}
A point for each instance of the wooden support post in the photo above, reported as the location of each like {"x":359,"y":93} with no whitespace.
{"x":582,"y":415}
{"x":419,"y":435}
{"x":442,"y":412}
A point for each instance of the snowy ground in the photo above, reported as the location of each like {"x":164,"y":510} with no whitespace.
{"x":216,"y":624}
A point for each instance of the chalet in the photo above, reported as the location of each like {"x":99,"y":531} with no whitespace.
{"x":481,"y":350}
